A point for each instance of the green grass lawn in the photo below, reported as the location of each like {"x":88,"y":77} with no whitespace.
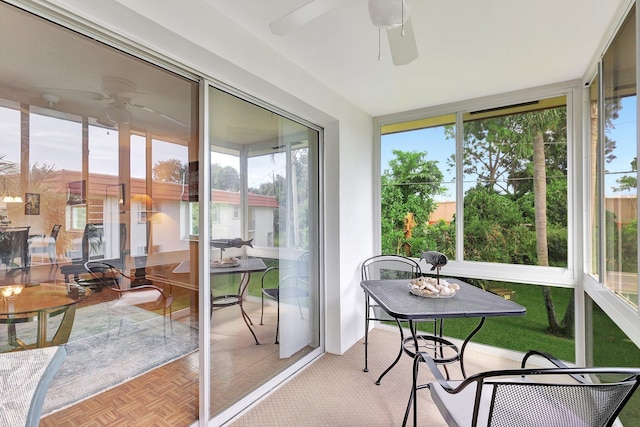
{"x":521,"y":333}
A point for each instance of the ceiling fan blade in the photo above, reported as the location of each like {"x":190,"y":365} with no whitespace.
{"x":151,"y":110}
{"x":302,"y":15}
{"x":73,"y":93}
{"x":403,"y":48}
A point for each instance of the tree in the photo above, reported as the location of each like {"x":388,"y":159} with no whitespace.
{"x":629,"y":182}
{"x":492,"y":152}
{"x":494,"y":229}
{"x":224,"y":178}
{"x":408,"y":186}
{"x":539,"y":124}
{"x":172,"y":170}
{"x":515,"y":156}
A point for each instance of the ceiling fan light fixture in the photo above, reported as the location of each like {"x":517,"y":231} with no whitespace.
{"x":389,"y":14}
{"x":50,"y":98}
{"x":119,"y":114}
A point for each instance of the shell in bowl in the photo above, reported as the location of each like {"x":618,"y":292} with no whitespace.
{"x":430,"y":287}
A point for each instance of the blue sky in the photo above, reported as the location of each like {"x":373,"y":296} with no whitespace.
{"x":58,"y":143}
{"x":431,"y":140}
{"x":624,"y":133}
{"x":438,"y":148}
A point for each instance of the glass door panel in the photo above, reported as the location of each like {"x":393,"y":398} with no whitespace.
{"x":264,"y":204}
{"x":619,"y":159}
{"x":78,"y":119}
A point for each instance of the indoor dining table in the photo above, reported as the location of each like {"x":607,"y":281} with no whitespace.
{"x":244,"y":267}
{"x":37,"y":301}
{"x":394,"y":297}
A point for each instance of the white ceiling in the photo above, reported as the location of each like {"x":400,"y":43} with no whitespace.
{"x":467,"y":49}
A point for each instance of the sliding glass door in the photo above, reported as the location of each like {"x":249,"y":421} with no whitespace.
{"x":264,"y":234}
{"x":93,"y":155}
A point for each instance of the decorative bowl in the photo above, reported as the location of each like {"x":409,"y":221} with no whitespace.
{"x":225,"y":262}
{"x":429,"y":287}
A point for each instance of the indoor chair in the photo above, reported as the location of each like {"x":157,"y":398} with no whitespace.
{"x":92,"y":248}
{"x":104,"y":275}
{"x":26,"y":377}
{"x":527,"y":397}
{"x":293,"y":285}
{"x":42,"y":244}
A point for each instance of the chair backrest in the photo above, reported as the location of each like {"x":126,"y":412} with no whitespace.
{"x":390,"y":267}
{"x":92,"y":244}
{"x":14,"y":242}
{"x":537,"y":404}
{"x":27,"y":376}
{"x":105,"y":274}
{"x":55,"y":230}
{"x":541,"y":397}
{"x":302,"y":265}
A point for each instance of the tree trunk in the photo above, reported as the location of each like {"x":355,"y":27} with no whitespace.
{"x":540,"y":204}
{"x":568,"y":322}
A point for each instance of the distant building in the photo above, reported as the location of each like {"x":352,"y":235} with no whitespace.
{"x":445,"y":210}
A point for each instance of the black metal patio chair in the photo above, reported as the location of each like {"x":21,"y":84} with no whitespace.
{"x":554,"y":396}
{"x":293,"y":285}
{"x":399,"y":267}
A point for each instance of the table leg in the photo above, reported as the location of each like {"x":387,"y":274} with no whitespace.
{"x":466,"y":341}
{"x":13,"y":339}
{"x":412,"y":396}
{"x":42,"y":329}
{"x":242,"y":287}
{"x":397,"y":357}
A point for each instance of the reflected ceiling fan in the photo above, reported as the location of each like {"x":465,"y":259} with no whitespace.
{"x":118,"y":92}
{"x":389,"y":15}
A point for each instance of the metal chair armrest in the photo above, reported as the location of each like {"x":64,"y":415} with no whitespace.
{"x":424,"y":356}
{"x":267,"y":271}
{"x":548,"y":356}
{"x":554,"y":360}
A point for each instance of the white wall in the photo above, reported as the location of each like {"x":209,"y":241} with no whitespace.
{"x":194,"y":34}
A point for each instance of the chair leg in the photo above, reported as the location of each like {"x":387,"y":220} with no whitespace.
{"x":366,"y":334}
{"x":413,"y":398}
{"x":262,"y":309}
{"x":164,"y":322}
{"x":278,"y":322}
{"x":300,"y":309}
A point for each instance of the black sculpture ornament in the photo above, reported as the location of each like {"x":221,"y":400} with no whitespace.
{"x":437,"y":261}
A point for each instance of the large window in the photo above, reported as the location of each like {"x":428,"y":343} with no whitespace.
{"x":511,"y":166}
{"x":514,"y":163}
{"x":617,"y":156}
{"x":418,"y":192}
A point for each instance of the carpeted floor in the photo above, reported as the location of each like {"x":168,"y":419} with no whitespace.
{"x":101,"y":354}
{"x":334,"y":390}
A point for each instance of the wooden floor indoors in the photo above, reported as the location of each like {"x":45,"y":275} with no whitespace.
{"x":168,"y":395}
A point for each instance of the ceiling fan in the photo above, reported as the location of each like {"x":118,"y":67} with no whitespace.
{"x":389,"y":15}
{"x":119,"y":93}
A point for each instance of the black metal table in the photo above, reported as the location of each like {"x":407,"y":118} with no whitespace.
{"x":245,"y":267}
{"x":394,"y":297}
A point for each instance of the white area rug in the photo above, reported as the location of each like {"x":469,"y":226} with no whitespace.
{"x":99,"y":358}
